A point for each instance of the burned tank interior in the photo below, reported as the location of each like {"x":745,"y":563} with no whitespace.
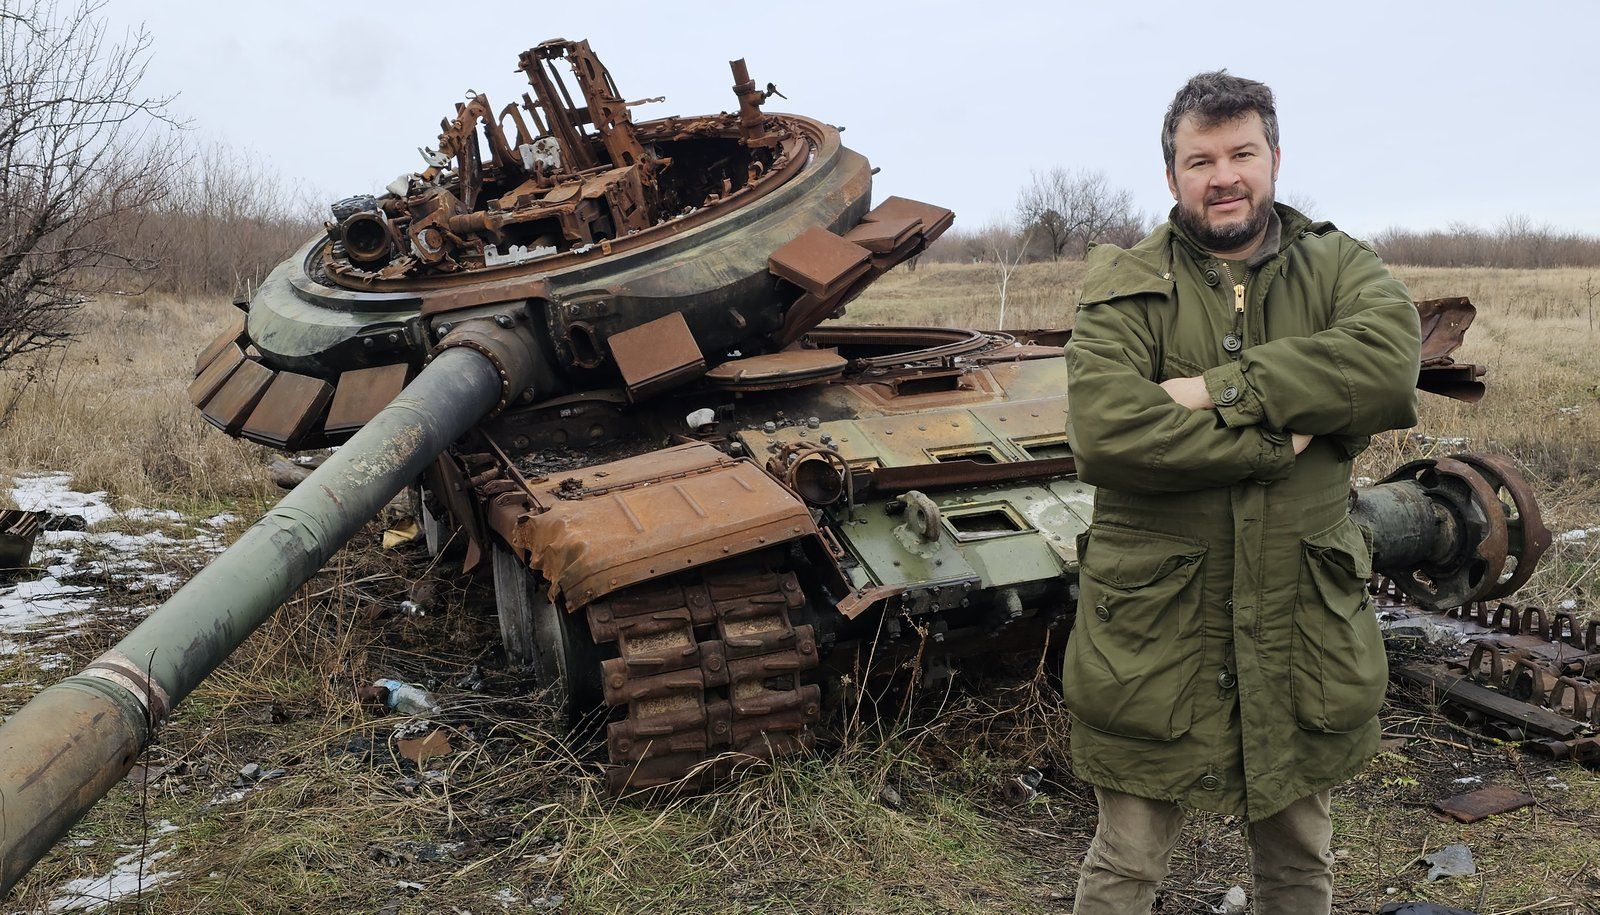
{"x":566,"y":170}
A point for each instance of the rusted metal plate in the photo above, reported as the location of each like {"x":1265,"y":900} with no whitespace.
{"x":935,"y":219}
{"x":18,"y":530}
{"x":234,"y":331}
{"x":1484,"y":802}
{"x":360,"y":394}
{"x":657,"y":355}
{"x":1444,"y":327}
{"x":614,"y":525}
{"x":774,"y":371}
{"x":820,"y":262}
{"x":883,"y":237}
{"x":216,"y":372}
{"x":231,"y":405}
{"x":290,"y":408}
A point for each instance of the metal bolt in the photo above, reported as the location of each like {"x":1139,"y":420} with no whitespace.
{"x":503,"y":320}
{"x":769,"y":427}
{"x":813,"y":422}
{"x":443,"y":329}
{"x":366,"y":341}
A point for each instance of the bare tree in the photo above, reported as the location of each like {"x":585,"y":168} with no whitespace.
{"x":80,"y":166}
{"x":1066,"y":210}
{"x":1002,"y":248}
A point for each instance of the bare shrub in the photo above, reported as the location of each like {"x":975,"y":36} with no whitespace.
{"x":228,"y":221}
{"x":82,"y":166}
{"x":1064,"y":210}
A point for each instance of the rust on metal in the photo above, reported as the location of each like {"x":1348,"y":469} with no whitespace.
{"x":657,"y":355}
{"x":215,"y":372}
{"x":1444,"y":327}
{"x":361,"y":393}
{"x":1484,"y":802}
{"x":18,"y":530}
{"x":790,"y":368}
{"x":288,"y":411}
{"x":232,"y":334}
{"x":230,"y":406}
{"x":617,"y":524}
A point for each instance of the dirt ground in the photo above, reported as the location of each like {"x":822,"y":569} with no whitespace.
{"x":274,"y":789}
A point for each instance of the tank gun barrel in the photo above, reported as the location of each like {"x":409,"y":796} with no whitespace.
{"x":72,"y":742}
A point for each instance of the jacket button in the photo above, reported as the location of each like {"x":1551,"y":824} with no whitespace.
{"x":1211,"y":783}
{"x":1226,"y":679}
{"x":1211,"y":278}
{"x":1229,"y":395}
{"x":1102,"y":614}
{"x":1232,"y":343}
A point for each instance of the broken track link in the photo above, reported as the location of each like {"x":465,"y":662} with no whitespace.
{"x":1543,"y":663}
{"x":710,"y":672}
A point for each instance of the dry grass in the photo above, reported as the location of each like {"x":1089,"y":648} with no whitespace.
{"x":112,"y":409}
{"x":349,"y":822}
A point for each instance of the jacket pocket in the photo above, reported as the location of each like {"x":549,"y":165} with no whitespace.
{"x":1337,"y":668}
{"x":1136,"y":644}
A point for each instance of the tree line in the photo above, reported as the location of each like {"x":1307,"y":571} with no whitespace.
{"x":102,"y":192}
{"x":1060,"y":212}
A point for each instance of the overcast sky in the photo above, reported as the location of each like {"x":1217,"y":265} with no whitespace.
{"x":1392,"y":113}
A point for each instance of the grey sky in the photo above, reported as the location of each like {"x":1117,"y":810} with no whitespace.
{"x":1391,"y":112}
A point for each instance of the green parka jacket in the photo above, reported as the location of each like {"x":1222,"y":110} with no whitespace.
{"x":1225,"y":653}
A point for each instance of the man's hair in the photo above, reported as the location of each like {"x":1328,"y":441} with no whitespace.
{"x":1216,"y":98}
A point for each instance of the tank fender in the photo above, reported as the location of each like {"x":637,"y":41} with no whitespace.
{"x":613,"y":525}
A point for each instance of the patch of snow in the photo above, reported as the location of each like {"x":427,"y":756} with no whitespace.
{"x":50,"y":492}
{"x":1577,"y":535}
{"x":1469,"y":780}
{"x":1569,"y":604}
{"x":129,"y":875}
{"x":30,"y":601}
{"x":507,"y":896}
{"x":220,"y":520}
{"x":152,"y":514}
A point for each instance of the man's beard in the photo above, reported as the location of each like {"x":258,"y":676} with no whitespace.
{"x":1229,"y":237}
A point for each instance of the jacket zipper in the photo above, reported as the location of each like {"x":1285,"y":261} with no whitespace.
{"x":1238,"y":299}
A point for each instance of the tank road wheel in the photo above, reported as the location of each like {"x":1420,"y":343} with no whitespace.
{"x":710,"y":671}
{"x":539,"y":634}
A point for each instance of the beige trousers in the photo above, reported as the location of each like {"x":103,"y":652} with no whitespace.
{"x":1133,"y":842}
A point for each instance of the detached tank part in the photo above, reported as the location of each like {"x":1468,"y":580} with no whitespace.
{"x":596,"y":347}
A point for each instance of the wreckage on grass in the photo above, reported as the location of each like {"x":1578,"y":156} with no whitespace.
{"x":596,"y":349}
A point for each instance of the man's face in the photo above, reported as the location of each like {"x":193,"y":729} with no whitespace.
{"x":1222,"y":178}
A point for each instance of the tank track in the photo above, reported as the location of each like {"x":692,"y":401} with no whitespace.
{"x":710,"y":673}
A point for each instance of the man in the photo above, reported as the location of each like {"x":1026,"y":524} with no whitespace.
{"x":1223,"y":372}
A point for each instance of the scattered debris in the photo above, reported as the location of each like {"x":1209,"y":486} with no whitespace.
{"x":1453,"y":860}
{"x":402,"y":697}
{"x":420,"y":749}
{"x":1419,"y":908}
{"x":1024,"y":787}
{"x":1233,"y":902}
{"x":1485,"y":802}
{"x":890,"y":798}
{"x":401,"y":534}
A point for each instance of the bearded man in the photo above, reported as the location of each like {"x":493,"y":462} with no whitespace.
{"x":1223,"y":374}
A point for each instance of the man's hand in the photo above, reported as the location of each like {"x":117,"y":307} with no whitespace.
{"x":1189,"y":392}
{"x":1299,"y":441}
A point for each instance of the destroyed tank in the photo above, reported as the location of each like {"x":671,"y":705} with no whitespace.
{"x":598,"y":352}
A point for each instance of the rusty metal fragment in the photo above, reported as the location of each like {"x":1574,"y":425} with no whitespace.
{"x":1484,"y":802}
{"x":18,"y":530}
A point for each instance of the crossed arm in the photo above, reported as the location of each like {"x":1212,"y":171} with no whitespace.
{"x":1357,"y":377}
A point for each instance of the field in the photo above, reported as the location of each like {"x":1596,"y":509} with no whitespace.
{"x":903,"y":811}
